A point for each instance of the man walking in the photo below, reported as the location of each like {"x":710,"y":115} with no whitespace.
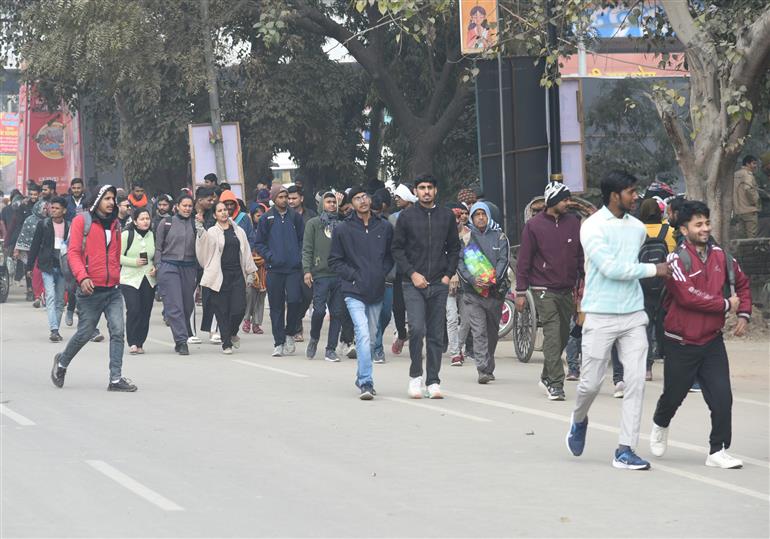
{"x":482,"y":300}
{"x":426,"y":248}
{"x":404,"y":199}
{"x":361,"y":256}
{"x":279,"y":242}
{"x":614,"y":307}
{"x":93,"y":254}
{"x":746,"y":197}
{"x":321,"y":278}
{"x":50,"y":233}
{"x":696,"y":307}
{"x":550,"y":265}
{"x":75,"y":200}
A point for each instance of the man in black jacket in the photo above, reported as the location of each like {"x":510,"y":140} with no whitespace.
{"x":426,"y":248}
{"x":361,"y":256}
{"x":46,"y":244}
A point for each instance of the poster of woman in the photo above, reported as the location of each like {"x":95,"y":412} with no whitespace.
{"x":478,"y":25}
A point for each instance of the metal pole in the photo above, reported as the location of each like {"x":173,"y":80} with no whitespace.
{"x":216,"y":113}
{"x":554,"y":120}
{"x":502,"y":143}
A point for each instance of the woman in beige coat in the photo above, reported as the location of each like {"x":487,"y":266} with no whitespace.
{"x":224,"y":254}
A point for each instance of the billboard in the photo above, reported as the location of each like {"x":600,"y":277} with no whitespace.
{"x":202,"y":154}
{"x":478,"y":25}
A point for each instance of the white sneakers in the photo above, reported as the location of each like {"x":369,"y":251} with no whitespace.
{"x":434,"y":392}
{"x":289,"y":347}
{"x":194,"y":339}
{"x":417,"y":390}
{"x":214,"y":338}
{"x":721,"y":459}
{"x":620,"y":388}
{"x":278,"y":351}
{"x":658,"y":440}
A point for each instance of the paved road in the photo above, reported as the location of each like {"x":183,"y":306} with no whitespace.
{"x":249,"y":445}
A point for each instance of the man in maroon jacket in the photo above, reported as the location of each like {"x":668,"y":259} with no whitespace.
{"x":550,"y":263}
{"x":696,"y":306}
{"x":95,"y":265}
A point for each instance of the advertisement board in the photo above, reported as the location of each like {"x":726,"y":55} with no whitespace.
{"x":478,"y":25}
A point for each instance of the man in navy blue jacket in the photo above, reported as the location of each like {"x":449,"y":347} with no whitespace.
{"x":279,"y":242}
{"x":360,"y":255}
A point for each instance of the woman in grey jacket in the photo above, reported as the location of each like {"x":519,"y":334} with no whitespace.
{"x":224,"y":254}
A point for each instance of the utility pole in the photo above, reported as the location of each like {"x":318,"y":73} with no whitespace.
{"x":554,"y":121}
{"x":213,"y":88}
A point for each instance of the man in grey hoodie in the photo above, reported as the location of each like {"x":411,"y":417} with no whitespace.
{"x":321,"y":279}
{"x":481,"y":300}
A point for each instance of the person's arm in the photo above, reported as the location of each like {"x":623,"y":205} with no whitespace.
{"x":605,"y":261}
{"x":452,"y":248}
{"x":126,"y":260}
{"x":743,"y":291}
{"x":524,"y":260}
{"x":34,"y":249}
{"x":308,"y":247}
{"x":462,"y":270}
{"x":389,"y":262}
{"x":398,"y":248}
{"x":262,"y":243}
{"x":681,"y":287}
{"x":504,"y":251}
{"x":160,"y":238}
{"x":337,"y":259}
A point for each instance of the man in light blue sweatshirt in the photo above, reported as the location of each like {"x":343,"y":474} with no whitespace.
{"x":614,"y":307}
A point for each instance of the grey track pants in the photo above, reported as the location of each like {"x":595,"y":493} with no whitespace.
{"x":177,"y":287}
{"x":483,"y":315}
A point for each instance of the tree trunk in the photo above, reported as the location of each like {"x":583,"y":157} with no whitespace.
{"x":374,"y":154}
{"x":421,"y":157}
{"x":213,"y":88}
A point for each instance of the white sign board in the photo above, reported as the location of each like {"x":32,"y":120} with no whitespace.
{"x":202,"y":153}
{"x":571,"y":115}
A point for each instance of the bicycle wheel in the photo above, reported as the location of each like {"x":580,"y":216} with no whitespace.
{"x":524,"y":328}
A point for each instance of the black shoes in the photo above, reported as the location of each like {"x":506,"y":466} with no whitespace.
{"x":55,"y":337}
{"x":57,"y":372}
{"x":123,"y":384}
{"x":181,"y":349}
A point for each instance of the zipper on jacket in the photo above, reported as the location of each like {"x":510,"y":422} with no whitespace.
{"x":107,"y":256}
{"x":430,"y":250}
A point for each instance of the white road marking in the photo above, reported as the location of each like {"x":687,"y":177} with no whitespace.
{"x":713,"y":482}
{"x":134,"y":486}
{"x":596,"y":426}
{"x":18,"y":418}
{"x":265,"y":367}
{"x":158,"y":341}
{"x":441,"y":409}
{"x":735,"y":399}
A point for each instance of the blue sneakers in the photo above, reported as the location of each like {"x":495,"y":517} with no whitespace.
{"x":576,"y":437}
{"x":628,"y":460}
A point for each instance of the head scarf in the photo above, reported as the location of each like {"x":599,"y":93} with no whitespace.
{"x":466,"y":196}
{"x":404,"y":193}
{"x":229,"y":195}
{"x":328,"y":219}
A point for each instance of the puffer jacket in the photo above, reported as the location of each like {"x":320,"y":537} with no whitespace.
{"x":99,"y":261}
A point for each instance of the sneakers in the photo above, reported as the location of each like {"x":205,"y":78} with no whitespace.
{"x":214,"y":338}
{"x":620,"y":388}
{"x":57,"y":373}
{"x":553,"y":393}
{"x":133,"y":350}
{"x":576,"y":437}
{"x":379,"y":357}
{"x":658,"y":440}
{"x":397,"y":346}
{"x":236,"y":340}
{"x":97,"y":336}
{"x":36,"y":304}
{"x":331,"y":356}
{"x":278,"y":351}
{"x":626,"y":459}
{"x":457,"y":360}
{"x":289,"y":347}
{"x":246,"y":327}
{"x":415,"y":388}
{"x":695,"y":388}
{"x":30,"y":296}
{"x":352,"y":354}
{"x":55,"y":337}
{"x":227,"y":351}
{"x":194,"y":339}
{"x":721,"y":459}
{"x":434,"y":392}
{"x":312,"y":347}
{"x":181,"y":349}
{"x":121,"y":384}
{"x":69,"y":318}
{"x":256,"y":330}
{"x":484,"y":378}
{"x":573,"y":376}
{"x":367,"y":392}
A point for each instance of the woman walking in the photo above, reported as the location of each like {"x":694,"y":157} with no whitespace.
{"x":224,"y":254}
{"x":257,"y":292}
{"x":137,"y":278}
{"x":176,"y":273}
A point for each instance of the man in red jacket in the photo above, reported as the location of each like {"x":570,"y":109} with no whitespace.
{"x":95,"y":265}
{"x":696,"y":308}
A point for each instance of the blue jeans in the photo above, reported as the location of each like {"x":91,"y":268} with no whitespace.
{"x":385,"y":314}
{"x":365,"y":318}
{"x":90,"y":309}
{"x":54,"y":297}
{"x":327,"y":291}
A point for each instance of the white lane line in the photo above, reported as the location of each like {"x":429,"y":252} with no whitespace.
{"x":273,"y":369}
{"x":713,"y":482}
{"x":596,"y":426}
{"x":18,"y":418}
{"x":441,"y":409}
{"x":735,"y":399}
{"x":134,"y":486}
{"x":158,"y":341}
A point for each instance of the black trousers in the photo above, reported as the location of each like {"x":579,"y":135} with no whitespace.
{"x":208,"y":311}
{"x":709,"y":364}
{"x":399,"y":307}
{"x":307,"y":299}
{"x":229,"y":306}
{"x":427,"y":320}
{"x":138,"y":310}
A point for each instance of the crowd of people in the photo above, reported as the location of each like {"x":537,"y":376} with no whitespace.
{"x":625,"y":286}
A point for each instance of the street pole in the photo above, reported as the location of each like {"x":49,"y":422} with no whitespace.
{"x":554,"y":119}
{"x":502,"y":143}
{"x":213,"y":88}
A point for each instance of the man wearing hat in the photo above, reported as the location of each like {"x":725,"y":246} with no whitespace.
{"x":550,"y":265}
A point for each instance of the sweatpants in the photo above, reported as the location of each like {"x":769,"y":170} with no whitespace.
{"x":207,"y":317}
{"x":707,"y":362}
{"x":177,"y":287}
{"x":229,"y":306}
{"x":138,"y":310}
{"x":483,"y":315}
{"x":453,"y":325}
{"x":285,"y":297}
{"x":255,"y":305}
{"x":628,"y":333}
{"x":554,"y":310}
{"x":427,"y":320}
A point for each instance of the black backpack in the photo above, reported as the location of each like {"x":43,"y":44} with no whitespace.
{"x":654,"y":251}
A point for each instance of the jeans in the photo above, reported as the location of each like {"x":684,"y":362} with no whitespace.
{"x":54,"y":297}
{"x":90,"y":309}
{"x":285,"y":297}
{"x":385,"y":315}
{"x":365,"y":318}
{"x":426,"y":309}
{"x":327,"y":291}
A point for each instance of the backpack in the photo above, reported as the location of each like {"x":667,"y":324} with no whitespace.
{"x":654,"y":251}
{"x":64,"y":264}
{"x":130,"y":240}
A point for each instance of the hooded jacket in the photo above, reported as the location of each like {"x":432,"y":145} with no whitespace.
{"x":361,"y":256}
{"x":493,"y":243}
{"x":317,"y":244}
{"x":241,"y":218}
{"x":279,"y":240}
{"x":27,"y":233}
